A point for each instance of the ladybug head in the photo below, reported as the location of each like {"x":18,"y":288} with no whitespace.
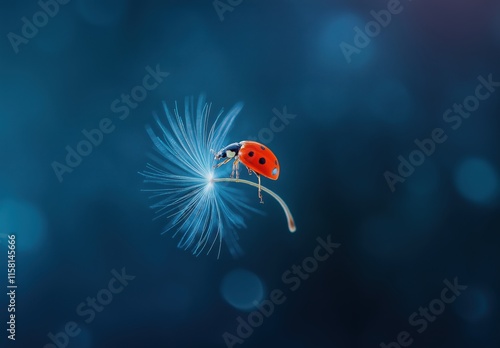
{"x":229,"y":151}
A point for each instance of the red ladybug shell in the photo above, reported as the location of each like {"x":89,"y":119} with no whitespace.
{"x":260,"y":159}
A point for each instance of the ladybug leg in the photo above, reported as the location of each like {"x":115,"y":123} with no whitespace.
{"x":235,"y":171}
{"x":260,"y":193}
{"x":222,"y":163}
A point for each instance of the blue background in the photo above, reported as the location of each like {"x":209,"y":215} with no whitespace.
{"x":352,"y":122}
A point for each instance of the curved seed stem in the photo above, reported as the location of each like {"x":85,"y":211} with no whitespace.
{"x":289,"y":217}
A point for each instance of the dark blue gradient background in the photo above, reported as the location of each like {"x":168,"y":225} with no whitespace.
{"x":353,"y":121}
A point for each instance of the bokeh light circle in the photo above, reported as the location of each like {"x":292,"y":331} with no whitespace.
{"x":476,"y":180}
{"x":25,"y":221}
{"x":340,"y":31}
{"x":240,"y":288}
{"x":475,"y":304}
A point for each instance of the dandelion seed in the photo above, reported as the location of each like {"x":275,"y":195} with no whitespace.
{"x":203,"y":210}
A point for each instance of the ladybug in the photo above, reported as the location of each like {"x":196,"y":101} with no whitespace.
{"x":255,"y":156}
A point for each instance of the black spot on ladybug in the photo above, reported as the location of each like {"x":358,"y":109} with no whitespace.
{"x":262,"y":147}
{"x":276,"y":162}
{"x":251,"y":154}
{"x":262,"y":160}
